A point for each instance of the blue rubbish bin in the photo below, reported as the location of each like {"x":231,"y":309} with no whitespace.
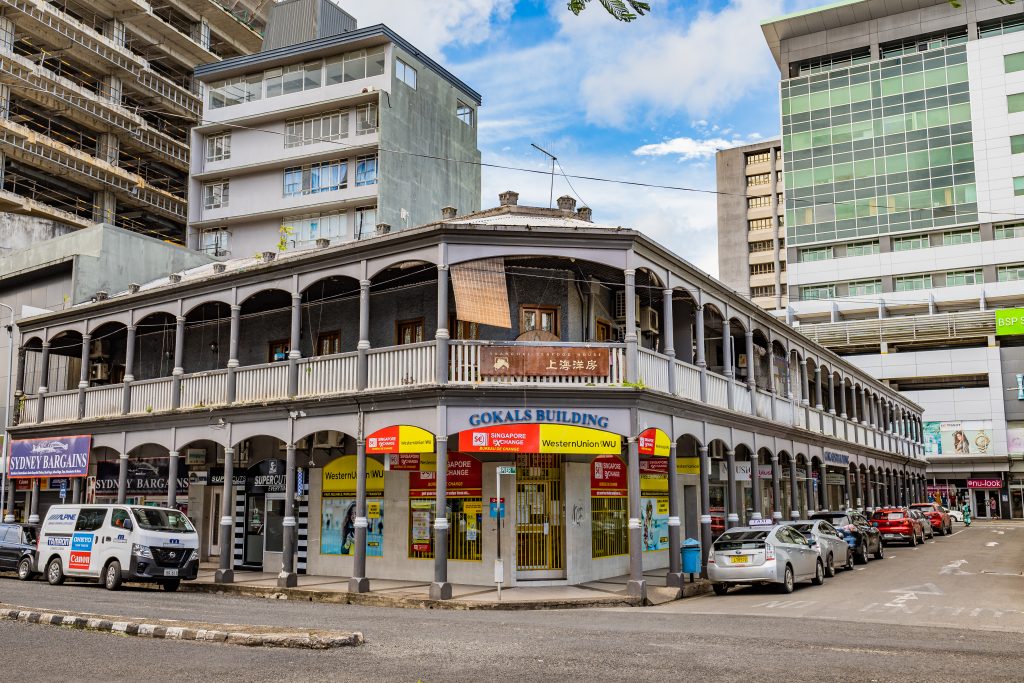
{"x":691,"y":556}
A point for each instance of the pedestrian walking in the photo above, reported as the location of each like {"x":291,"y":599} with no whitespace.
{"x":992,"y":505}
{"x":966,"y":509}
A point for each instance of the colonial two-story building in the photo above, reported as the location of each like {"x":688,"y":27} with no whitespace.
{"x":617,"y":396}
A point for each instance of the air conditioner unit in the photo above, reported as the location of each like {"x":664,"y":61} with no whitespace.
{"x":99,"y":372}
{"x":98,"y":349}
{"x":649,"y":320}
{"x":620,"y":333}
{"x":620,"y":306}
{"x":328,"y":439}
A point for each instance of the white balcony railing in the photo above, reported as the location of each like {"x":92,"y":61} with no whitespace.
{"x":104,"y":401}
{"x":328,"y":374}
{"x":151,"y":396}
{"x":717,"y":388}
{"x":204,"y":389}
{"x":61,"y":406}
{"x":687,"y":380}
{"x":29,"y":410}
{"x":266,"y":382}
{"x":653,"y":370}
{"x":402,"y":366}
{"x":464,"y":368}
{"x":763,"y":404}
{"x":741,"y":396}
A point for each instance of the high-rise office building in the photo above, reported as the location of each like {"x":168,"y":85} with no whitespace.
{"x":751,"y":222}
{"x":903,"y":133}
{"x":329,"y":132}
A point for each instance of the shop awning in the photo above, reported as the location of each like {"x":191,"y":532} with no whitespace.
{"x":540,"y":438}
{"x":654,"y":442}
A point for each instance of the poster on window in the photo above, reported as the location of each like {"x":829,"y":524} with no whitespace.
{"x":654,"y":523}
{"x":1015,"y":438}
{"x":338,"y":529}
{"x":421,"y":526}
{"x":963,"y":437}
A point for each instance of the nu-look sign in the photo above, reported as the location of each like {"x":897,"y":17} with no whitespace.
{"x":61,"y":456}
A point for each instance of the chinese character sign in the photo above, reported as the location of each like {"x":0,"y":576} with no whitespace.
{"x":544,"y":361}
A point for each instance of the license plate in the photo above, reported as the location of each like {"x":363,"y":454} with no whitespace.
{"x":739,"y":559}
{"x":170,"y":572}
{"x":890,"y":535}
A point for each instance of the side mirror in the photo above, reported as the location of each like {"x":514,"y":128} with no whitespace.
{"x":128,"y":526}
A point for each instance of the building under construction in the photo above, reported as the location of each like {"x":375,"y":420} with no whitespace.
{"x":96,"y":101}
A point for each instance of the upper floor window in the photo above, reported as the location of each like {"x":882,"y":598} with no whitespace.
{"x":816,"y":292}
{"x":464,"y":112}
{"x":759,"y":179}
{"x":409,"y":331}
{"x":319,"y":128}
{"x":865,"y":287}
{"x":218,"y":147}
{"x":366,"y":170}
{"x":353,"y":66}
{"x":235,"y":91}
{"x":328,"y":343}
{"x":759,"y":223}
{"x":1017,"y":144}
{"x":909,"y":243}
{"x":1005,"y":232}
{"x":366,"y":119}
{"x":1018,"y":186}
{"x":1015,"y":103}
{"x":761,"y":245}
{"x":964,"y":277}
{"x":305,"y":230}
{"x":759,"y":202}
{"x":1014,"y":62}
{"x":816,"y":254}
{"x":366,"y":222}
{"x":538,"y":318}
{"x":292,"y":79}
{"x":862,"y":248}
{"x":1012,"y":273}
{"x":912,"y":283}
{"x":215,"y":241}
{"x":215,"y":194}
{"x":758,"y":158}
{"x":405,"y":73}
{"x":762,"y":268}
{"x":961,"y":237}
{"x":760,"y":292}
{"x":325,"y":176}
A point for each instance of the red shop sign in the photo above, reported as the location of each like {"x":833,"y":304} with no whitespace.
{"x":984,"y":483}
{"x":608,"y":477}
{"x":465,"y":479}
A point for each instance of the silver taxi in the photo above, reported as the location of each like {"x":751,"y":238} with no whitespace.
{"x":828,"y":541}
{"x":758,"y":555}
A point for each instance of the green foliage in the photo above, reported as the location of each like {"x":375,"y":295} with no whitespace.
{"x":956,"y":3}
{"x":622,"y":10}
{"x":285,"y":232}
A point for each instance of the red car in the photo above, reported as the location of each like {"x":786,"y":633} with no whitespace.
{"x":940,"y":519}
{"x":897,"y":524}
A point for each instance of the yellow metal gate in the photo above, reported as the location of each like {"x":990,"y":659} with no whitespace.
{"x":540,"y":518}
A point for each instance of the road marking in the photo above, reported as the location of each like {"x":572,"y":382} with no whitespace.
{"x":992,"y":544}
{"x":954,"y":568}
{"x":921,"y":589}
{"x":786,"y":604}
{"x":1001,"y":533}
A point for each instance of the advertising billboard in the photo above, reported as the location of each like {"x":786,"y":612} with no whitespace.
{"x":964,"y":437}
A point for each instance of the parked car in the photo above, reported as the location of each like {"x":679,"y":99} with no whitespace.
{"x":926,"y":525}
{"x":830,"y":543}
{"x":763,"y":555}
{"x":864,"y":539}
{"x":898,"y":524}
{"x":939,"y":520}
{"x":955,"y":515}
{"x":18,"y":549}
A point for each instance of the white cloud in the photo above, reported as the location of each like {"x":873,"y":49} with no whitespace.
{"x":686,"y":148}
{"x":431,"y":26}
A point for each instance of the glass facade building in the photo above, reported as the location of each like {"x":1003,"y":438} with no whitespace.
{"x":879,"y":148}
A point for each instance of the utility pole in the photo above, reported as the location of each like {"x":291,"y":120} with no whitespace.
{"x":4,"y":455}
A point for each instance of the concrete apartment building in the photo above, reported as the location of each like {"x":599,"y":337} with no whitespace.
{"x":751,"y":222}
{"x":329,"y":132}
{"x":903,"y":132}
{"x":96,"y":101}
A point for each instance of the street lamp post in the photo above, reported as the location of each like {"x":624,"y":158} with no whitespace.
{"x":4,"y":456}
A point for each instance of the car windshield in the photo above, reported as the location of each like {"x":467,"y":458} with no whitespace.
{"x":923,"y":507}
{"x":743,"y":536}
{"x":889,"y":515}
{"x":803,"y":528}
{"x":156,"y":519}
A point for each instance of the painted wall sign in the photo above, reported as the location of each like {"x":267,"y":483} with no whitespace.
{"x":540,"y":438}
{"x":654,"y":442}
{"x":520,"y":415}
{"x":144,"y":477}
{"x":742,"y":470}
{"x":412,"y":462}
{"x":984,"y":484}
{"x":608,"y":477}
{"x":465,"y":479}
{"x":400,"y":439}
{"x":544,"y":361}
{"x":216,"y":477}
{"x":837,"y":458}
{"x":61,"y":456}
{"x":1009,"y":321}
{"x":339,"y":478}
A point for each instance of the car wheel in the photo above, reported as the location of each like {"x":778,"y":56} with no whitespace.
{"x":913,"y":538}
{"x":720,"y":588}
{"x":861,"y":556}
{"x":942,"y":531}
{"x":849,"y":561}
{"x":819,"y":574}
{"x":25,"y":569}
{"x":830,"y":566}
{"x":55,"y":572}
{"x":112,"y":576}
{"x":880,"y":553}
{"x":173,"y":584}
{"x":787,"y":580}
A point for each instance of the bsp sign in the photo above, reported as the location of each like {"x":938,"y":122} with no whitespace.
{"x":1009,"y":321}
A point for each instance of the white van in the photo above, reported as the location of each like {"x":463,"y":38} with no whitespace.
{"x":116,"y":543}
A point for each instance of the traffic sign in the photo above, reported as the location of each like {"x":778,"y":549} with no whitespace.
{"x":63,"y":490}
{"x":495,"y":507}
{"x":506,"y":469}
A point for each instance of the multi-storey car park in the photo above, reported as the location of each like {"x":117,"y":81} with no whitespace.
{"x":903,"y":133}
{"x":97,"y":99}
{"x":294,"y":401}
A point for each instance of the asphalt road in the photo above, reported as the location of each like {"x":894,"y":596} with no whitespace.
{"x":948,"y":611}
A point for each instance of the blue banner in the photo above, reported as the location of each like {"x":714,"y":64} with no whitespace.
{"x":61,"y":456}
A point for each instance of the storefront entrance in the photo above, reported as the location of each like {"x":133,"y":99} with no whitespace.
{"x":540,"y":517}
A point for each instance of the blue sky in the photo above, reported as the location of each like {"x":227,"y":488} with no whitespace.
{"x":649,"y":101}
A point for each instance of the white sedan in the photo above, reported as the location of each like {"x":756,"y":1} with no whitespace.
{"x":955,"y":515}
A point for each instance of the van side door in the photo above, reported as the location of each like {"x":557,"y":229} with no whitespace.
{"x":116,"y":539}
{"x":83,"y":558}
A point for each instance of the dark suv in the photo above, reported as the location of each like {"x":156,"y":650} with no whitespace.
{"x":18,"y":549}
{"x":862,"y":538}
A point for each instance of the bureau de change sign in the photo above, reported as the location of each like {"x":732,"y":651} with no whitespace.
{"x":61,"y":456}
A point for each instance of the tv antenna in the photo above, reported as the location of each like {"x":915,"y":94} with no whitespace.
{"x":551,"y":195}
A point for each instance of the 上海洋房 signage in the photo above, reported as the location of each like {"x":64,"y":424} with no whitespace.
{"x":1009,"y":321}
{"x":58,"y":456}
{"x":400,"y":439}
{"x":540,"y":438}
{"x":984,"y":483}
{"x":543,"y":361}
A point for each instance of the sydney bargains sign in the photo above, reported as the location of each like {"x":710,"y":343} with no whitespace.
{"x":62,"y":456}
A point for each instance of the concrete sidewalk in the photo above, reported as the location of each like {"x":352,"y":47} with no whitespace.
{"x":409,"y":594}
